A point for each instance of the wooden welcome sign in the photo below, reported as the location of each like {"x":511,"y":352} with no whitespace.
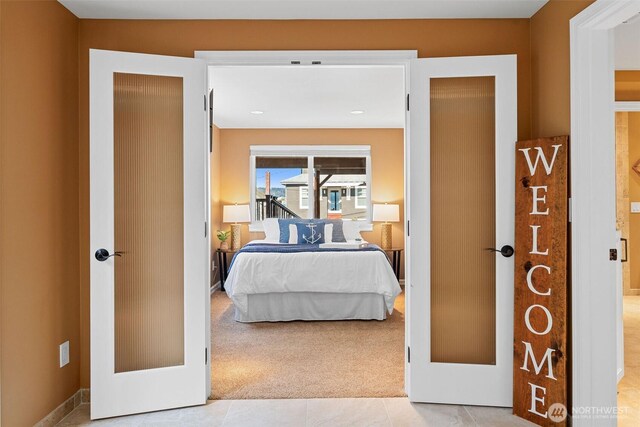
{"x":540,"y":335}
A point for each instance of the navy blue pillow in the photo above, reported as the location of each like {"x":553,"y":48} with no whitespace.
{"x":338,"y":233}
{"x":284,"y":228}
{"x":310,"y":233}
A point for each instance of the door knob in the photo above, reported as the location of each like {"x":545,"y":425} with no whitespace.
{"x":103,"y":254}
{"x":506,"y":251}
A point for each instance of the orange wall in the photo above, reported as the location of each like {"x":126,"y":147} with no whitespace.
{"x":628,"y":85}
{"x":551,"y":103}
{"x":634,"y":196}
{"x":432,"y":38}
{"x":39,"y":210}
{"x":387,"y":165}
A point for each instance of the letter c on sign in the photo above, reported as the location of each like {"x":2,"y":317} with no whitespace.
{"x":549,"y":320}
{"x":530,"y":279}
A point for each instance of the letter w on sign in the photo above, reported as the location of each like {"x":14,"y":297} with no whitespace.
{"x":540,"y":297}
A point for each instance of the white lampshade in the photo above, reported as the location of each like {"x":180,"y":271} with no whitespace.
{"x":236,"y":213}
{"x":386,"y":212}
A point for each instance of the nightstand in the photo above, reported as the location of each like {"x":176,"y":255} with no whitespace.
{"x":223,"y":264}
{"x":395,"y":259}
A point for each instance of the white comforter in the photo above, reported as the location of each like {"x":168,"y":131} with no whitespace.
{"x":334,"y":272}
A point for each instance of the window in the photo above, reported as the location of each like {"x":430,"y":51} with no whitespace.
{"x":310,"y":182}
{"x":361,"y":197}
{"x":337,"y":175}
{"x":304,"y":197}
{"x":277,"y":191}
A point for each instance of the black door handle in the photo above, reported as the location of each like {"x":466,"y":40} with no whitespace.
{"x":506,"y":251}
{"x":626,"y":250}
{"x":103,"y":254}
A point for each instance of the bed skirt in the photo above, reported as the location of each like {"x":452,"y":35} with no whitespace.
{"x":284,"y":307}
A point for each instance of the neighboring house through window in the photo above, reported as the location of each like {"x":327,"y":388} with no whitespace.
{"x":310,"y":182}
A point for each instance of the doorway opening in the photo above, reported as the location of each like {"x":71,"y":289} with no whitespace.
{"x":296,"y":143}
{"x":628,"y":226}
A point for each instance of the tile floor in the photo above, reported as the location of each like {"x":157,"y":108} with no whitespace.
{"x":629,"y":386}
{"x":311,"y":413}
{"x":371,"y":412}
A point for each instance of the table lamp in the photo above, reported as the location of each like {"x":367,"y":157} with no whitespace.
{"x":386,"y":213}
{"x":236,"y":214}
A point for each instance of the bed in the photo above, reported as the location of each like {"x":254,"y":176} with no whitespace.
{"x":271,"y":281}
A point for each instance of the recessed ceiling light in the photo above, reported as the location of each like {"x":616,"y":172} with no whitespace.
{"x":357,"y":112}
{"x":257,"y":112}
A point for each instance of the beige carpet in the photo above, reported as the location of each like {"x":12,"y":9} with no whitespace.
{"x":294,"y":360}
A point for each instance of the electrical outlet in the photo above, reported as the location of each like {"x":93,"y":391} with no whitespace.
{"x":64,"y":353}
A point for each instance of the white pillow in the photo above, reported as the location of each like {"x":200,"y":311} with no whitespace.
{"x":293,"y":234}
{"x":351,"y":230}
{"x":328,"y":233}
{"x":271,"y":229}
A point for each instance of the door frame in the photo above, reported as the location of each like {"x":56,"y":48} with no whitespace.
{"x":594,"y":376}
{"x":621,"y":107}
{"x":363,"y":58}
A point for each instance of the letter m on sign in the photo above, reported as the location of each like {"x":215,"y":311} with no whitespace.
{"x":540,"y":288}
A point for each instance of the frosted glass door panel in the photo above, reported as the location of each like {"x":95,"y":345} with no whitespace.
{"x":149,"y":221}
{"x":463,"y":220}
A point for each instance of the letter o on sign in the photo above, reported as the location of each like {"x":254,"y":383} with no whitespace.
{"x":527,"y":314}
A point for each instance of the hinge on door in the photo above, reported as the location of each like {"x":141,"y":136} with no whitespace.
{"x":569,"y":209}
{"x":205,"y":229}
{"x":408,"y":354}
{"x":206,"y":359}
{"x":407,"y":102}
{"x":205,"y":102}
{"x":408,"y":229}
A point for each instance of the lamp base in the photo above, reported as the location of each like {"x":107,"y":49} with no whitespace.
{"x":386,"y":240}
{"x":236,"y":234}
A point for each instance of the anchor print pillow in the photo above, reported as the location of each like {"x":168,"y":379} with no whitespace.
{"x":310,"y":233}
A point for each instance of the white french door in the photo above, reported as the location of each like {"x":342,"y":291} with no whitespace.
{"x":463,"y":129}
{"x":149,"y":243}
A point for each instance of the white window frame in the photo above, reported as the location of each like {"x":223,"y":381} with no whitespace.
{"x":309,"y":151}
{"x":301,"y":188}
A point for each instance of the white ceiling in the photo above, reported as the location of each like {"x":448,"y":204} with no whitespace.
{"x":627,"y":45}
{"x":302,"y":9}
{"x":308,"y":97}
